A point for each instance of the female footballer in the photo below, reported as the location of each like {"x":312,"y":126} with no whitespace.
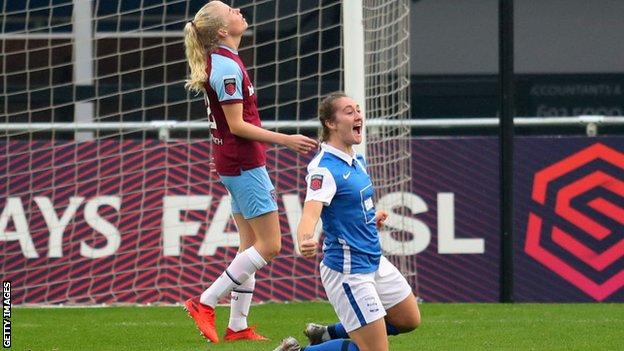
{"x":370,"y":296}
{"x":212,"y":39}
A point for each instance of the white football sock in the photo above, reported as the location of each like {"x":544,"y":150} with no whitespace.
{"x":240,"y":303}
{"x":242,"y":267}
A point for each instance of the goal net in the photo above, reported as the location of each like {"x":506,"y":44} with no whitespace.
{"x":105,"y":190}
{"x":388,"y":148}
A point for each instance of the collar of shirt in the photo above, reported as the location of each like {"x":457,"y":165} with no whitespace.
{"x":339,"y":153}
{"x":229,"y":49}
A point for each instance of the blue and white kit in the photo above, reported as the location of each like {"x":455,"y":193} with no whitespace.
{"x":341,"y":183}
{"x":360,"y":283}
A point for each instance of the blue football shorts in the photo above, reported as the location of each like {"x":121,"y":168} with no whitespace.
{"x":252,"y":192}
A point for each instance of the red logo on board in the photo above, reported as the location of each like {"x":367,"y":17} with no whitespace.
{"x":574,"y":193}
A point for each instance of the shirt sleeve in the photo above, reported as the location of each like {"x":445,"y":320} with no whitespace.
{"x":226,"y":79}
{"x":321,"y":185}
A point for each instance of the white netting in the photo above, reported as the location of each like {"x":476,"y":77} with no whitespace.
{"x":115,"y":215}
{"x":386,"y":47}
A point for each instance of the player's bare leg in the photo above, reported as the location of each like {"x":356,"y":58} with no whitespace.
{"x":371,"y":337}
{"x":268,"y":234}
{"x":245,"y":232}
{"x":405,"y":316}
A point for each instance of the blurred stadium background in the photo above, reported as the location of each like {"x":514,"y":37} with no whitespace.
{"x":106,"y":196}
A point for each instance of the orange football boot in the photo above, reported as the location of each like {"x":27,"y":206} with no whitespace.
{"x":204,"y":318}
{"x":245,"y":334}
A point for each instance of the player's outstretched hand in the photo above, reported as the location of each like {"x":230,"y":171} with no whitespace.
{"x":300,"y":143}
{"x":308,"y":248}
{"x":380,"y":218}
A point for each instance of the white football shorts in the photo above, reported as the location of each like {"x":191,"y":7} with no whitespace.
{"x":362,"y":298}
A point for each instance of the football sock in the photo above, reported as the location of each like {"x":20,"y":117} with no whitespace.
{"x":391,"y":329}
{"x":240,"y":303}
{"x":333,"y":345}
{"x":337,"y":331}
{"x":242,"y":267}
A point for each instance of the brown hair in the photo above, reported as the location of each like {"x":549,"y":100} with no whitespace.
{"x":201,"y":37}
{"x":327,"y":112}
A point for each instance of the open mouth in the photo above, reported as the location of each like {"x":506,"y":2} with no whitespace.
{"x":357,"y":130}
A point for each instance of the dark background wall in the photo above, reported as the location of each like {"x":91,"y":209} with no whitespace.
{"x":568,"y":57}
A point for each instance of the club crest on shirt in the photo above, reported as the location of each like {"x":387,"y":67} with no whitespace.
{"x":316,"y":181}
{"x":229,"y":82}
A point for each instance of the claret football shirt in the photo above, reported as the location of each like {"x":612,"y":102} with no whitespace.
{"x":229,"y":83}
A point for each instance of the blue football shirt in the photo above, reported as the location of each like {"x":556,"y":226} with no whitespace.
{"x":341,"y":182}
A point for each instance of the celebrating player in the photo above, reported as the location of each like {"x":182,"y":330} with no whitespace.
{"x":370,"y":296}
{"x":211,"y":40}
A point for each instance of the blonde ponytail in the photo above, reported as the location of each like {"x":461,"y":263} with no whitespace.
{"x":196,"y":57}
{"x":201,"y":36}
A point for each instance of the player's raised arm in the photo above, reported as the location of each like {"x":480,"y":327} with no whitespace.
{"x":238,"y":126}
{"x":321,"y":188}
{"x":308,"y":245}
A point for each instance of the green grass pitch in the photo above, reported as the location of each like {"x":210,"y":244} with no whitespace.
{"x":445,"y":327}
